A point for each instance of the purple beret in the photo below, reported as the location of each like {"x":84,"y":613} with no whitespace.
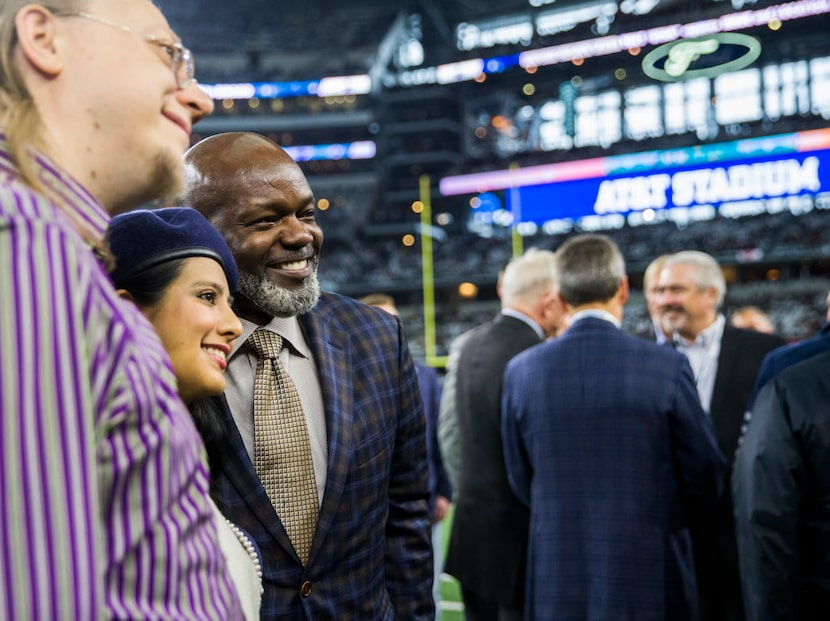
{"x":144,"y":238}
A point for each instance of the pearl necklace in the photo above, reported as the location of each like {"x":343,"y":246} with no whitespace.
{"x":248,"y":546}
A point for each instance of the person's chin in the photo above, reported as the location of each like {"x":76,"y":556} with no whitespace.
{"x":164,"y":181}
{"x":213,"y":387}
{"x":287,"y":282}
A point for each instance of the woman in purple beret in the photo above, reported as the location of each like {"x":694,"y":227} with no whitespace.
{"x":180,"y":273}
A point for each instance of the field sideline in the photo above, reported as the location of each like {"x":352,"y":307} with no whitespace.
{"x":450,"y":608}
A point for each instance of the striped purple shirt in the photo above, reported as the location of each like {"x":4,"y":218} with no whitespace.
{"x":103,"y":485}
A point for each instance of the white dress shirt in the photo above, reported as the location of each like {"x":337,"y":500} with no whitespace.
{"x":703,"y":355}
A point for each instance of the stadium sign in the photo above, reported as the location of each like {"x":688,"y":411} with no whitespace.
{"x":710,"y":185}
{"x":707,"y":56}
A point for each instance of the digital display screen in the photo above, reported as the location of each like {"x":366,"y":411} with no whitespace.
{"x":735,"y":188}
{"x":700,"y":106}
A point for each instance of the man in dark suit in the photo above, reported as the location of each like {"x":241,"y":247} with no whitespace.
{"x":487,"y":549}
{"x":725,"y":362}
{"x":781,"y":490}
{"x":370,"y":555}
{"x":606,"y":441}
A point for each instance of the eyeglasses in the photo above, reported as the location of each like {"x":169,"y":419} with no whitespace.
{"x":181,"y":57}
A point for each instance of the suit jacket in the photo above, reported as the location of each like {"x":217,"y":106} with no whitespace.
{"x":783,"y":357}
{"x":371,"y":557}
{"x":449,"y":436}
{"x":605,"y":437}
{"x":741,"y":355}
{"x":429,"y":383}
{"x":781,"y":487}
{"x":487,"y":549}
{"x":716,"y":555}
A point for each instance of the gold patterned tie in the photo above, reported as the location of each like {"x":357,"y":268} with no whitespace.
{"x":282,"y":452}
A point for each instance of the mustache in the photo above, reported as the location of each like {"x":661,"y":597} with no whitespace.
{"x":670,"y":308}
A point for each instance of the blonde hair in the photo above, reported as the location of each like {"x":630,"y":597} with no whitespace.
{"x":19,"y":116}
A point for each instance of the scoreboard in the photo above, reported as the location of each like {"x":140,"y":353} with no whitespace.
{"x":702,"y":106}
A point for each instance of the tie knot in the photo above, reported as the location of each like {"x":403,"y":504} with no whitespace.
{"x":266,"y":344}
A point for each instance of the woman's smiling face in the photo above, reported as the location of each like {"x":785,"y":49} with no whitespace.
{"x":197,"y":326}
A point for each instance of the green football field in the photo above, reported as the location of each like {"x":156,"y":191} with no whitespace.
{"x":450,"y":608}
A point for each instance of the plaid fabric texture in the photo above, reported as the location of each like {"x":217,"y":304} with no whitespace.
{"x":282,"y":453}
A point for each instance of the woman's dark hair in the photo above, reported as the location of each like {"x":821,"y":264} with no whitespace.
{"x":148,"y":287}
{"x":213,"y":429}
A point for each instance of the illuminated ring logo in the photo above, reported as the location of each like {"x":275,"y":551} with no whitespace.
{"x":681,"y":56}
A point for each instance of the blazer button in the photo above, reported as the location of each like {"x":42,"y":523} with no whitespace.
{"x":305,"y":589}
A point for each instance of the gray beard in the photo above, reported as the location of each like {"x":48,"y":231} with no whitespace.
{"x":279,"y":302}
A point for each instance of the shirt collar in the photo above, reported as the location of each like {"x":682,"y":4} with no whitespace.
{"x":287,"y":327}
{"x":705,"y":339}
{"x":659,"y":336}
{"x":85,"y":212}
{"x":596,"y":313}
{"x":512,"y":312}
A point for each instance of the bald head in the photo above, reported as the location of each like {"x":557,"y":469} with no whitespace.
{"x":218,"y":168}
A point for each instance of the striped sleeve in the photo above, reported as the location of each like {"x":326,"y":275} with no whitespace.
{"x":161,"y":543}
{"x":51,"y":557}
{"x":104,"y":510}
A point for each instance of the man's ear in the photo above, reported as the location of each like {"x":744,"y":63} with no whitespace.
{"x":552,"y":303}
{"x":36,"y":31}
{"x":623,"y":290}
{"x":125,"y":295}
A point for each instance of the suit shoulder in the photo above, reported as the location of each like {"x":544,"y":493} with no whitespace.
{"x":503,"y":337}
{"x":758,"y":340}
{"x":793,"y":353}
{"x":807,"y":372}
{"x":338,"y":307}
{"x":650,"y":350}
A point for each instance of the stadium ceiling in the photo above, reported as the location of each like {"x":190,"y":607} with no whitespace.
{"x":256,"y":40}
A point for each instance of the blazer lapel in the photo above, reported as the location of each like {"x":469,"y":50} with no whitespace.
{"x":727,"y":360}
{"x":332,"y":358}
{"x":240,"y":474}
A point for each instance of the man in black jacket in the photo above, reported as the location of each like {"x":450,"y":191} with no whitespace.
{"x":781,"y":490}
{"x":725,"y":362}
{"x":488,"y":545}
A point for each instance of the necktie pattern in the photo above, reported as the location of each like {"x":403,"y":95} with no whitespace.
{"x":282,"y":452}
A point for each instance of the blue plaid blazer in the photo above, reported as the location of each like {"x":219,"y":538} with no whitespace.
{"x":605,"y":439}
{"x":371,"y":557}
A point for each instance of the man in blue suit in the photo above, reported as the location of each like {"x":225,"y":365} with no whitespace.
{"x":606,"y":441}
{"x":370,"y":556}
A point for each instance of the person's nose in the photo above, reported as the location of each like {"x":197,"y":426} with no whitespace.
{"x":197,"y":101}
{"x":228,"y":325}
{"x":295,"y":233}
{"x":671,"y":301}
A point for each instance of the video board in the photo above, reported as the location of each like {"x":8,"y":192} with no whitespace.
{"x":788,"y":172}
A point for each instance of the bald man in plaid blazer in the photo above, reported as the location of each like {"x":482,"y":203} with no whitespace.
{"x":371,"y":556}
